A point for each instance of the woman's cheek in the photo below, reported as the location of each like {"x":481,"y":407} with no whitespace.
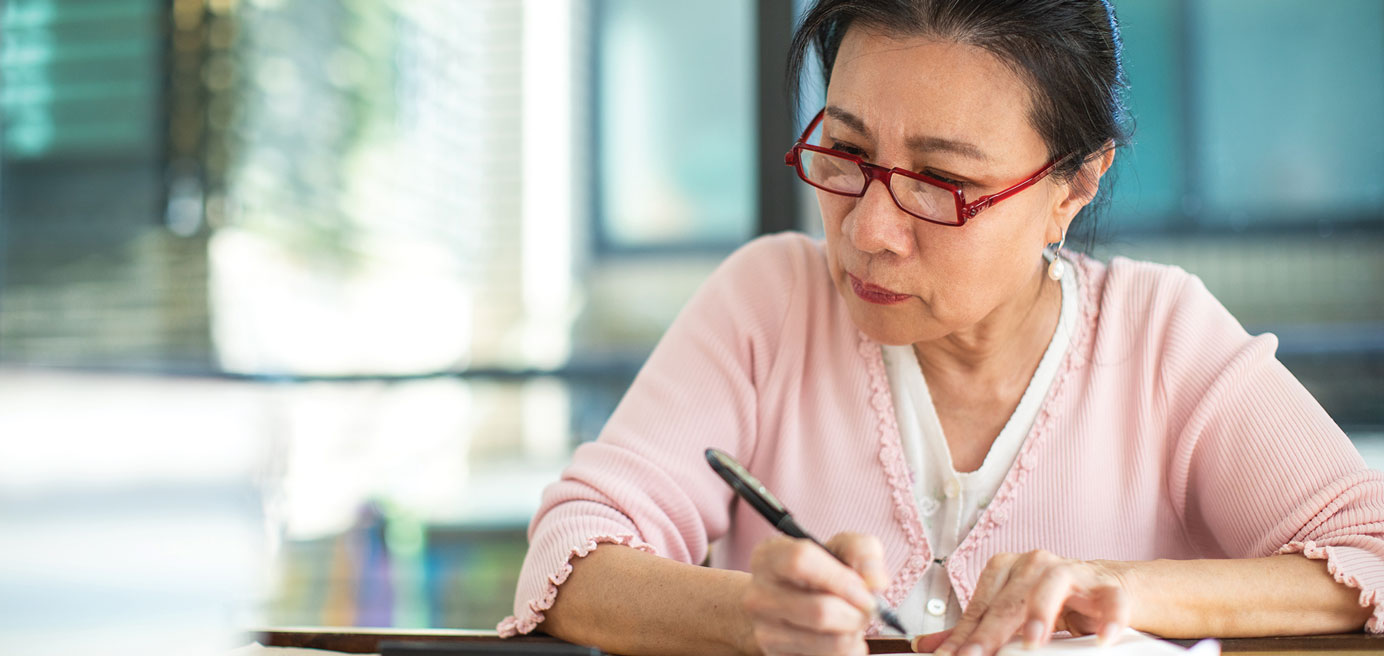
{"x":834,"y":210}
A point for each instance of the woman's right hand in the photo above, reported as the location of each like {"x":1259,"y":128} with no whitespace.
{"x":801,"y":600}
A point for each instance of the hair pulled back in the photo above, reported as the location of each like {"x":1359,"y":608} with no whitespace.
{"x":1068,"y":52}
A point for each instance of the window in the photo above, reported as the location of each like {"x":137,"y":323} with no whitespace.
{"x":676,"y":124}
{"x":1253,"y":115}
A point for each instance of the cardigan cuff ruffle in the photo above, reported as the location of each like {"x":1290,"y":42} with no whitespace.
{"x":1368,"y":596}
{"x":530,"y":615}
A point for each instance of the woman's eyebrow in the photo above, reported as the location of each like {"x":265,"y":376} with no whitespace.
{"x":931,"y":144}
{"x":924,"y":144}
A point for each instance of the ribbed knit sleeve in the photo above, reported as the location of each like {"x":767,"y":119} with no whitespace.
{"x":1259,"y":468}
{"x":645,"y":482}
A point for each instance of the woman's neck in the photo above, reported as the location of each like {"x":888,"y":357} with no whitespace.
{"x":999,"y":354}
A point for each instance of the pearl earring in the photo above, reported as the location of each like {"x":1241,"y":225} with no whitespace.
{"x":1058,"y":267}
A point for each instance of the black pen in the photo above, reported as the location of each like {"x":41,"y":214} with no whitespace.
{"x":754,"y":493}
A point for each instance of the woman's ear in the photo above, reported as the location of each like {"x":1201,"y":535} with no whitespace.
{"x":1080,"y":190}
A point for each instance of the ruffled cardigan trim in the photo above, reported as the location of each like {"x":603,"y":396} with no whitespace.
{"x":897,"y":474}
{"x":899,"y":477}
{"x":532,"y":614}
{"x":1368,"y":597}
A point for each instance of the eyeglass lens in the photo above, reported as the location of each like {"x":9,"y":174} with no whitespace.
{"x":844,"y":176}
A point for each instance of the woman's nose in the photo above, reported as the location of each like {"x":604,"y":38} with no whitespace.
{"x":876,"y":224}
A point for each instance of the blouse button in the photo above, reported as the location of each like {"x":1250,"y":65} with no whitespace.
{"x":951,"y":488}
{"x":936,"y":607}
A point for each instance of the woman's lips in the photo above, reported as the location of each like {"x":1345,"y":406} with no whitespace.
{"x":874,"y":293}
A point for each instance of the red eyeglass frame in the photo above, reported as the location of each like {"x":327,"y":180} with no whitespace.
{"x":964,"y":211}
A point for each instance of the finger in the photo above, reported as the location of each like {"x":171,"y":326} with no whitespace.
{"x":929,"y":642}
{"x":806,"y":566}
{"x":1045,"y":604}
{"x":1074,"y":623}
{"x":1007,"y":614}
{"x":991,"y":581}
{"x":864,"y":554}
{"x":1106,"y":609}
{"x":777,"y":638}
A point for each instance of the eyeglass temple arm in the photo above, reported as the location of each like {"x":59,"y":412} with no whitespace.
{"x":976,"y":206}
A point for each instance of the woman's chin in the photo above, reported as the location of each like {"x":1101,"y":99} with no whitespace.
{"x":898,"y":330}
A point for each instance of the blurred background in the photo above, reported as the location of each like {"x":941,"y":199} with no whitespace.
{"x":302,"y":302}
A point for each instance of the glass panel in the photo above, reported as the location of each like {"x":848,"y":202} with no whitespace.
{"x":1148,"y":184}
{"x":676,"y":127}
{"x":813,"y":98}
{"x":79,"y":78}
{"x":382,"y":233}
{"x":86,"y":276}
{"x":1287,"y":110}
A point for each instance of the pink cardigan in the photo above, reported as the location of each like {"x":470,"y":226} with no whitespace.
{"x":1169,"y":432}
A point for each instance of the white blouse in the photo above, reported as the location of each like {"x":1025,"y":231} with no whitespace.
{"x":950,"y":502}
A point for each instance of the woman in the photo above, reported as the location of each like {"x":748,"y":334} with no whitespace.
{"x":1018,"y":446}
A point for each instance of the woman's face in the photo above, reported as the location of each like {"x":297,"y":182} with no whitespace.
{"x":966,"y":115}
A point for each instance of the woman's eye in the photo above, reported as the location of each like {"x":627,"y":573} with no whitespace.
{"x":937,"y":176}
{"x":847,"y":149}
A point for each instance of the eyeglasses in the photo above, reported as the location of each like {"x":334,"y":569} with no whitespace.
{"x":919,"y":195}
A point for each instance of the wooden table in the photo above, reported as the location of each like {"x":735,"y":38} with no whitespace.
{"x":366,"y":641}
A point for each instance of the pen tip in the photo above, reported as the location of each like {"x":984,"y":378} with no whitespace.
{"x":892,"y":620}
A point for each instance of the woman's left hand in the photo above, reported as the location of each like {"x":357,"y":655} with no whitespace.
{"x":1031,"y":595}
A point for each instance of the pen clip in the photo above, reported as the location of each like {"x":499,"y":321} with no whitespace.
{"x":746,"y":485}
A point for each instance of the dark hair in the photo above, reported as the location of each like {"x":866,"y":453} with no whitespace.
{"x":1067,"y":50}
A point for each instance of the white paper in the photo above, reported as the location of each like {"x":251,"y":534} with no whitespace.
{"x":1130,"y":643}
{"x":256,"y":649}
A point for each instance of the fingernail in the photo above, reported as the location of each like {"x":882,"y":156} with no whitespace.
{"x":876,"y":579}
{"x":1108,"y":633}
{"x":1033,"y":632}
{"x":970,"y":650}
